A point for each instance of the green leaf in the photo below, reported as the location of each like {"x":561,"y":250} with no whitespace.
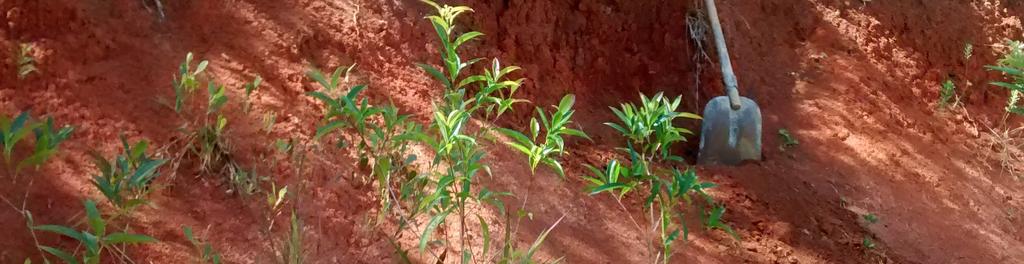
{"x":328,"y":128}
{"x":470,"y":80}
{"x":64,"y":256}
{"x":515,"y":135}
{"x":201,"y":67}
{"x":540,"y":239}
{"x":607,"y":187}
{"x":95,"y":219}
{"x":62,"y":230}
{"x":465,"y":38}
{"x":1007,"y":70}
{"x":431,"y":226}
{"x":486,"y":234}
{"x":689,"y":115}
{"x":566,"y":103}
{"x":125,"y":238}
{"x":436,"y":74}
{"x":37,"y":159}
{"x":139,"y":149}
{"x":145,"y":171}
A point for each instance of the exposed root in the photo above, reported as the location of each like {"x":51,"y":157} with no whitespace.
{"x":1007,"y":145}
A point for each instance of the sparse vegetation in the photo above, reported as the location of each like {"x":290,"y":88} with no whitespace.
{"x":433,"y":200}
{"x":947,"y":94}
{"x":788,"y":140}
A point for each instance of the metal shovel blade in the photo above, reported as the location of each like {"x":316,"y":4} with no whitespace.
{"x":728,"y":136}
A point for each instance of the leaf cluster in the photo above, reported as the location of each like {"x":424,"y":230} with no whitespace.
{"x":47,"y":139}
{"x":125,"y":180}
{"x":649,"y":127}
{"x":548,"y":148}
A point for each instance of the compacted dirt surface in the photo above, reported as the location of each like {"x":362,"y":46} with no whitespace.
{"x":855,"y":82}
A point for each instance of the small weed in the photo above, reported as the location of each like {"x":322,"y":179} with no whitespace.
{"x":204,"y":251}
{"x":13,"y":130}
{"x":26,"y":64}
{"x":185,"y":83}
{"x":947,"y":94}
{"x":249,"y":89}
{"x":868,"y":242}
{"x":871,"y":218}
{"x":788,"y":141}
{"x":204,"y":134}
{"x":94,"y":240}
{"x":125,"y":181}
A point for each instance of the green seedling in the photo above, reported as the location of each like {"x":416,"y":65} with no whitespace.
{"x":47,"y":139}
{"x":94,"y":240}
{"x":947,"y":94}
{"x":650,"y":132}
{"x":185,"y":83}
{"x":204,"y":251}
{"x":249,"y":89}
{"x":209,"y":143}
{"x":788,"y":140}
{"x":553,"y":144}
{"x":868,"y":242}
{"x":125,"y":181}
{"x":13,"y":131}
{"x":1012,"y":66}
{"x":649,"y":127}
{"x":871,"y":218}
{"x":26,"y":64}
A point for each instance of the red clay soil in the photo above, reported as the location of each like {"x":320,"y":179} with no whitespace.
{"x":856,"y":82}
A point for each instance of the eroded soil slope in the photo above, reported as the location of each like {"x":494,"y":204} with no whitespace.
{"x":854,"y":81}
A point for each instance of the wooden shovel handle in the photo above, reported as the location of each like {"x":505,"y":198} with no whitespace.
{"x":728,"y":76}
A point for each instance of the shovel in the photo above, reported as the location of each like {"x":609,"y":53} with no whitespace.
{"x":731,"y":131}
